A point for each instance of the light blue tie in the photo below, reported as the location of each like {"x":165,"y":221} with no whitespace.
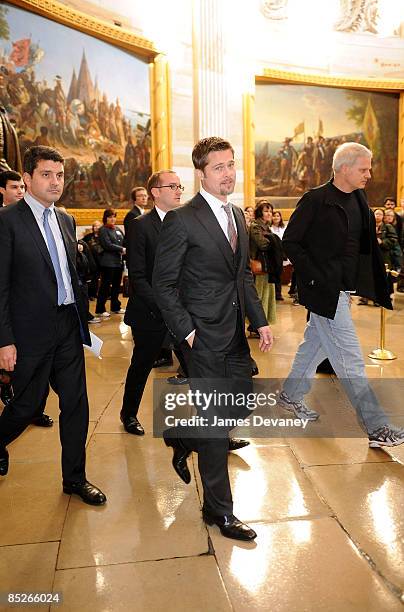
{"x":53,"y":252}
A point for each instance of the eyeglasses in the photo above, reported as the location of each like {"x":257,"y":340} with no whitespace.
{"x":173,"y":187}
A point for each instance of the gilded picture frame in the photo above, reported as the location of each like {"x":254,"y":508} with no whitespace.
{"x":274,"y":76}
{"x":142,"y":49}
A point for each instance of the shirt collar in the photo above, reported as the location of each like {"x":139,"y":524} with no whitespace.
{"x":161,"y":213}
{"x":212,"y":200}
{"x":36,"y":207}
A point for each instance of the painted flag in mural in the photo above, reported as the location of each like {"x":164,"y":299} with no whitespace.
{"x":370,"y":126}
{"x":320,"y":131}
{"x":299,"y":129}
{"x":20,"y":53}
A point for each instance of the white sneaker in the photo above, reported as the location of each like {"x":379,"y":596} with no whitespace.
{"x":95,"y":320}
{"x":120,"y":311}
{"x":103,"y":315}
{"x":299,"y":409}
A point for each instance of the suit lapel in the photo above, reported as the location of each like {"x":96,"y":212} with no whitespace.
{"x":207,"y":218}
{"x":31,"y":224}
{"x":155,"y":220}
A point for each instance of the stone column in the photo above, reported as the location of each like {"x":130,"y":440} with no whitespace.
{"x":210,"y":99}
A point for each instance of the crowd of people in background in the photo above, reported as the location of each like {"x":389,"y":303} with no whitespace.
{"x":266,"y":227}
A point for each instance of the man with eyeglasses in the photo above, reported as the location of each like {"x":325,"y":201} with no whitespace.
{"x":204,"y":288}
{"x":142,"y":312}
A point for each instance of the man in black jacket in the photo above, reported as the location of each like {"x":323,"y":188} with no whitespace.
{"x":43,"y":321}
{"x":139,"y":199}
{"x":12,"y":189}
{"x":142,"y":313}
{"x":331,"y":241}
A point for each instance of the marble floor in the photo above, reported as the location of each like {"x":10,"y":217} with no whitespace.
{"x":328,"y":512}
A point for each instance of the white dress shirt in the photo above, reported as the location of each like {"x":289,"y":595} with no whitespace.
{"x":38,"y":210}
{"x":161,"y":213}
{"x":217,"y":208}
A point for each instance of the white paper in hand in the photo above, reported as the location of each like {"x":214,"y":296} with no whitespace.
{"x":96,"y":345}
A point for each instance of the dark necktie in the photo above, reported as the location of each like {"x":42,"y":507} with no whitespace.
{"x":53,"y":252}
{"x":231,"y":230}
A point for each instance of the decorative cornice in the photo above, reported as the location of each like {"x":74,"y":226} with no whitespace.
{"x":284,"y":76}
{"x":120,"y":37}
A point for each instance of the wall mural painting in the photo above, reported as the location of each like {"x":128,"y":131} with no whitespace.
{"x":87,"y":98}
{"x":298,"y":128}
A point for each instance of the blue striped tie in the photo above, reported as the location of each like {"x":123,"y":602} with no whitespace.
{"x":53,"y":252}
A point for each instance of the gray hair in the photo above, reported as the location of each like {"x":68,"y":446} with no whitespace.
{"x":348,"y":153}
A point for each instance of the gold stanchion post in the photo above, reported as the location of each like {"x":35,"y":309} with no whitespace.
{"x":382,"y":353}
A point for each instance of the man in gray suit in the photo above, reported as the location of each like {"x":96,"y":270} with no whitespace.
{"x":204,"y":288}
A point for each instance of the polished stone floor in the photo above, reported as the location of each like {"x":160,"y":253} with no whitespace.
{"x":328,"y":512}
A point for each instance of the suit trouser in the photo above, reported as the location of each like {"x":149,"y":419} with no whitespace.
{"x":148,"y":345}
{"x":203,"y":366}
{"x":61,"y":364}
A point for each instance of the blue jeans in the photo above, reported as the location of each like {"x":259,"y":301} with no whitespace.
{"x":336,"y":339}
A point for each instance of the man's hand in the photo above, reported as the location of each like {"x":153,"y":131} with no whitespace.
{"x":8,"y":357}
{"x":266,"y":338}
{"x":191,"y":339}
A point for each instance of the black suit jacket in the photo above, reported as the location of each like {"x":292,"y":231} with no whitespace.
{"x":132,"y":214}
{"x":142,"y":310}
{"x":314,"y":241}
{"x":198,"y":282}
{"x":28,"y":286}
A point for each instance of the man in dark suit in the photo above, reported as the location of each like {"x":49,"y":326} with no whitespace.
{"x":43,"y":321}
{"x":12,"y":190}
{"x":331,"y":241}
{"x":142,"y":312}
{"x":204,"y":288}
{"x":139,"y":199}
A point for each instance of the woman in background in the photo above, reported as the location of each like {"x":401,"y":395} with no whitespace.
{"x":111,"y":240}
{"x":265,"y":246}
{"x":278,"y":228}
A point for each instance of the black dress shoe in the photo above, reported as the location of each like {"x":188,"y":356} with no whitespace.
{"x":3,"y":462}
{"x":164,"y":361}
{"x":230,"y":526}
{"x":236,"y":443}
{"x":132,"y":425}
{"x":177,"y":380}
{"x":180,"y":457}
{"x":6,"y":393}
{"x":42,"y":421}
{"x":87,"y":491}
